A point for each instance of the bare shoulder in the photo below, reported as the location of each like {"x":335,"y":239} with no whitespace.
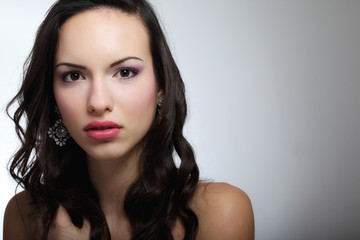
{"x":224,"y":212}
{"x":20,"y":221}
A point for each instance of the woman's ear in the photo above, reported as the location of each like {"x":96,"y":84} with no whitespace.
{"x":160,"y":94}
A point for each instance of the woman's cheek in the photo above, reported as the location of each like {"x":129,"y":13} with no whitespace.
{"x":70,"y":105}
{"x":141,"y":101}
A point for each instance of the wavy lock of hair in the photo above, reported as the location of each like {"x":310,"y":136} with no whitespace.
{"x":54,"y":175}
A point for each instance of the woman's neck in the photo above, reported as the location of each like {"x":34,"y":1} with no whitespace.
{"x":111,"y":180}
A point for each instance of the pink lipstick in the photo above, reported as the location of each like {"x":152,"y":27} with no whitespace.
{"x":102,"y":130}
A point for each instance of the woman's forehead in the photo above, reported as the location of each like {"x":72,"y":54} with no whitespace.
{"x":103,"y":33}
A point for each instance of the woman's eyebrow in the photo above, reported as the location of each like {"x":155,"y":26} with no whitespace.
{"x":124,"y":60}
{"x":84,"y":68}
{"x":70,"y":65}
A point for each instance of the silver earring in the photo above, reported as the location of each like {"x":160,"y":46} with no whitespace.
{"x":159,"y":104}
{"x":158,"y":109}
{"x":59,"y":132}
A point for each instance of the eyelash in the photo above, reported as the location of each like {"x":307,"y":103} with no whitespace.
{"x":132,"y":71}
{"x":67,"y":74}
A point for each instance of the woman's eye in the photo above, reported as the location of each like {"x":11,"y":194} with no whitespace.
{"x":126,"y":73}
{"x":72,"y":77}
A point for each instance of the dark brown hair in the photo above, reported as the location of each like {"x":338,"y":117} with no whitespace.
{"x":54,"y":175}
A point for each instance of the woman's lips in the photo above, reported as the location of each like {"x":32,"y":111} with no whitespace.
{"x":102,"y":130}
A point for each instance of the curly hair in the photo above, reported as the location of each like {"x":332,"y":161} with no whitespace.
{"x":53,"y":176}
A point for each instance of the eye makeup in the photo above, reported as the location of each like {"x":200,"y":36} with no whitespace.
{"x":73,"y":75}
{"x":126,"y":72}
{"x":125,"y":68}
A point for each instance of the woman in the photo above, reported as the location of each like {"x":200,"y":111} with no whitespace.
{"x":104,"y":106}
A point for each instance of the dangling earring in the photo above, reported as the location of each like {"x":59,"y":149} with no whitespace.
{"x":158,"y":107}
{"x":59,"y":132}
{"x":159,"y":104}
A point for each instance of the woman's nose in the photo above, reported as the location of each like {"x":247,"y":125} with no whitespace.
{"x":99,"y":98}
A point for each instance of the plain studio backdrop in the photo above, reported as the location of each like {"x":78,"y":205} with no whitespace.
{"x":273,"y":90}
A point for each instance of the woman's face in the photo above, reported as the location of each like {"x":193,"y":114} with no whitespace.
{"x":104,"y":82}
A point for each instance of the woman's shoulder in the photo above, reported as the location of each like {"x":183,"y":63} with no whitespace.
{"x":20,"y":220}
{"x":223,"y":211}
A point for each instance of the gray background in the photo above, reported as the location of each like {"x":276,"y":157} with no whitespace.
{"x":273,"y":90}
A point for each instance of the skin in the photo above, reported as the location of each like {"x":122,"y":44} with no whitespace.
{"x":102,"y":90}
